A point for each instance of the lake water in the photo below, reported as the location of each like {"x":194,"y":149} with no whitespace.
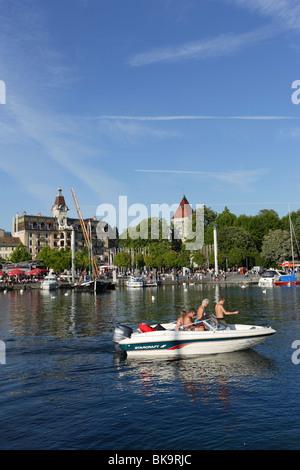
{"x":64,"y":387}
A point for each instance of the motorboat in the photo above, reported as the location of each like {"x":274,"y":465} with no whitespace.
{"x":50,"y":282}
{"x":164,"y":340}
{"x":287,"y":280}
{"x":135,"y":281}
{"x":149,"y":283}
{"x":269,"y":277}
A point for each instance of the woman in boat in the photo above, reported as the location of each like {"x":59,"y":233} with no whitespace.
{"x":201,"y":315}
{"x":180,"y":320}
{"x":201,"y":310}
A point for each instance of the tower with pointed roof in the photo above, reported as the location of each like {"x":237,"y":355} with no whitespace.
{"x":181,"y":220}
{"x":60,"y":209}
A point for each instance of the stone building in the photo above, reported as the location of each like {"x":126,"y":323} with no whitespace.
{"x":37,"y":231}
{"x":7,"y":245}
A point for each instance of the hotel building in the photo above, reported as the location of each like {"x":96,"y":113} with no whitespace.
{"x":37,"y":231}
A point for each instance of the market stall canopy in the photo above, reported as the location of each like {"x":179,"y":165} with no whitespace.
{"x":286,"y":264}
{"x":2,"y":273}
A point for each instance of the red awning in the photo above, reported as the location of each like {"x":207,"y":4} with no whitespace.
{"x":35,"y":272}
{"x":286,"y":263}
{"x":16,"y":272}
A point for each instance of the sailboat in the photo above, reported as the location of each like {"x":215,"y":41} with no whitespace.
{"x":95,"y":284}
{"x":289,"y":279}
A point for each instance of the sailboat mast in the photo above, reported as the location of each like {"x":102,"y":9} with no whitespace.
{"x":291,"y":230}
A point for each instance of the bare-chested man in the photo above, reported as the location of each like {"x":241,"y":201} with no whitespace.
{"x":220,"y":311}
{"x":188,"y":319}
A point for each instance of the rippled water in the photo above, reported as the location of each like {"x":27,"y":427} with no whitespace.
{"x":64,"y":387}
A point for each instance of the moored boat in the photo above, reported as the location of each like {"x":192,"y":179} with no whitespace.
{"x":164,"y":340}
{"x":135,"y":281}
{"x":287,"y":280}
{"x":149,"y":283}
{"x":50,"y":282}
{"x":93,"y":285}
{"x":269,"y":277}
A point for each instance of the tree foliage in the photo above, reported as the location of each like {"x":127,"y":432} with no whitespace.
{"x":276,"y":247}
{"x":60,"y":260}
{"x":20,"y":254}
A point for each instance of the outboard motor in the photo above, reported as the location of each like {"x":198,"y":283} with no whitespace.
{"x":121,"y":332}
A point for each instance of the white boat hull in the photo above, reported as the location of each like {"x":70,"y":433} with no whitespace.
{"x":184,"y":343}
{"x":49,"y":286}
{"x":134,"y":284}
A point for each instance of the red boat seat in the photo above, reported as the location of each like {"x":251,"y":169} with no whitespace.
{"x":146,"y":328}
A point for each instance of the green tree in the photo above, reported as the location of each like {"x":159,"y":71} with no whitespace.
{"x":45,"y":255}
{"x":234,"y":237}
{"x":171,"y":259}
{"x":225,"y":218}
{"x":122,"y":259}
{"x":82,"y":261}
{"x":184,"y":259}
{"x":199,"y":258}
{"x":261,"y":224}
{"x":150,"y":260}
{"x":276,"y":247}
{"x":139,"y":260}
{"x":236,"y":257}
{"x":20,"y":254}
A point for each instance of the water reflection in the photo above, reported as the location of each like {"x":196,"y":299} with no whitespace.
{"x":199,"y":377}
{"x":55,"y":314}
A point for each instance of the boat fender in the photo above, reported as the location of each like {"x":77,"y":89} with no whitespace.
{"x":146,"y":328}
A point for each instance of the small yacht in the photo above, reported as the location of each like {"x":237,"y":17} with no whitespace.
{"x":135,"y":281}
{"x":269,"y":277}
{"x":49,"y":282}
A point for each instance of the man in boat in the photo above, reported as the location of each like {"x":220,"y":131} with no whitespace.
{"x":220,"y":312}
{"x":188,"y":320}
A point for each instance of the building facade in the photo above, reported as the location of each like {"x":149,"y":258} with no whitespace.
{"x":7,"y":246}
{"x":38,"y":231}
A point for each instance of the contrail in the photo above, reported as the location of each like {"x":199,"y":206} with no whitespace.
{"x":195,"y":117}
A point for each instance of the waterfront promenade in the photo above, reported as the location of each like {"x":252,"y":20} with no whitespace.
{"x":166,"y":279}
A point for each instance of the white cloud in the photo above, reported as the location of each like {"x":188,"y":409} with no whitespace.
{"x":38,"y":144}
{"x":240,"y":178}
{"x":220,"y":46}
{"x":130,"y":130}
{"x":283,"y":12}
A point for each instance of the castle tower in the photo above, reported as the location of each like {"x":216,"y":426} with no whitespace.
{"x":60,"y":209}
{"x":181,"y":219}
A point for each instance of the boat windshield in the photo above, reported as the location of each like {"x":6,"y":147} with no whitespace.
{"x":213,"y":325}
{"x":269,"y":274}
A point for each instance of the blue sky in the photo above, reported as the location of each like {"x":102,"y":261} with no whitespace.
{"x":149,"y":99}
